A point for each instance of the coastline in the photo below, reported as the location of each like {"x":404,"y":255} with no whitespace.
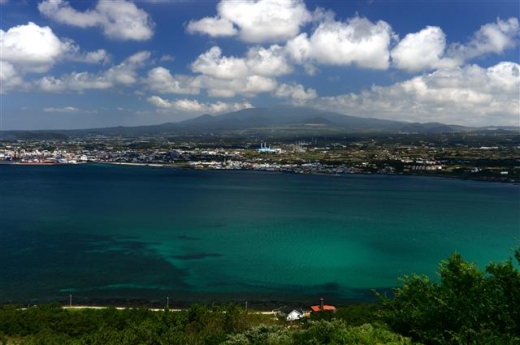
{"x":264,"y":307}
{"x":187,"y":165}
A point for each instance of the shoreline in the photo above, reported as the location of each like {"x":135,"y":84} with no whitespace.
{"x":253,"y":306}
{"x":183,"y":300}
{"x":190,"y":167}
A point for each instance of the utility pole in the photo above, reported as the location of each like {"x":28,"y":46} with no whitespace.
{"x":70,"y":300}
{"x":167,"y":302}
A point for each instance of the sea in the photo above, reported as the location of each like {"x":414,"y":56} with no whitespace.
{"x":94,"y":233}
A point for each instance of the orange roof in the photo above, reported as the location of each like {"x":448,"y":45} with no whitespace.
{"x":317,"y":308}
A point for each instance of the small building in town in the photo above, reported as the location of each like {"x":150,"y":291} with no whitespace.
{"x":323,"y":307}
{"x":294,"y":315}
{"x":290,"y":314}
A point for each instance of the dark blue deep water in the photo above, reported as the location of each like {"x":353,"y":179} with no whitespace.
{"x":109,"y":232}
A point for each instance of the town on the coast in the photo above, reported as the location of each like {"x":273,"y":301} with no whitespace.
{"x":491,"y":156}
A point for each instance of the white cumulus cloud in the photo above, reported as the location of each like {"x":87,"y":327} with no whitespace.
{"x":227,"y":76}
{"x":295,"y":92}
{"x":31,"y":48}
{"x":258,"y":61}
{"x":256,"y":21}
{"x":194,"y":106}
{"x":73,"y":82}
{"x":160,"y":80}
{"x":423,"y":50}
{"x":267,"y":62}
{"x":123,"y":74}
{"x":247,"y":86}
{"x":214,"y":64}
{"x":166,"y":58}
{"x":126,"y":72}
{"x":218,"y":107}
{"x":9,"y":77}
{"x":119,"y":19}
{"x":428,"y":50}
{"x":98,"y":56}
{"x":491,"y":38}
{"x":214,"y":27}
{"x":34,"y":49}
{"x":159,"y":102}
{"x":68,"y":109}
{"x":357,"y":41}
{"x":61,"y":110}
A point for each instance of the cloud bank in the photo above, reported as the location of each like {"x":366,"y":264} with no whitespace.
{"x":194,"y":106}
{"x":469,"y":95}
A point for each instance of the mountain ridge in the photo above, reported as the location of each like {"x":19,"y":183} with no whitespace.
{"x":245,"y":118}
{"x":270,"y":121}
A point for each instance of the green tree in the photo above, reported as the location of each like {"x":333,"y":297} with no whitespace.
{"x":467,"y":306}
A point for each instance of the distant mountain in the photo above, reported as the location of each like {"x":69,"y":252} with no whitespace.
{"x":299,"y":116}
{"x":318,"y":121}
{"x":275,"y":121}
{"x":433,"y":128}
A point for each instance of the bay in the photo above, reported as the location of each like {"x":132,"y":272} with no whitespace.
{"x":104,"y":232}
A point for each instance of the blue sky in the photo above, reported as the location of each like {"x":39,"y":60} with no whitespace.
{"x":82,"y":64}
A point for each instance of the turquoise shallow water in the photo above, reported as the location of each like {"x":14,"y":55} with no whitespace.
{"x":107,"y":232}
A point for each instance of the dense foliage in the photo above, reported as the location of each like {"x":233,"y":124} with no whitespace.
{"x":52,"y":324}
{"x":467,"y":306}
{"x":318,"y":332}
{"x":231,"y":325}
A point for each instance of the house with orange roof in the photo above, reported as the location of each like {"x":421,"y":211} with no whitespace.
{"x":323,"y":307}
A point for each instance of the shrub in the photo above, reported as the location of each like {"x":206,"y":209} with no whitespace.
{"x":468,"y":306}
